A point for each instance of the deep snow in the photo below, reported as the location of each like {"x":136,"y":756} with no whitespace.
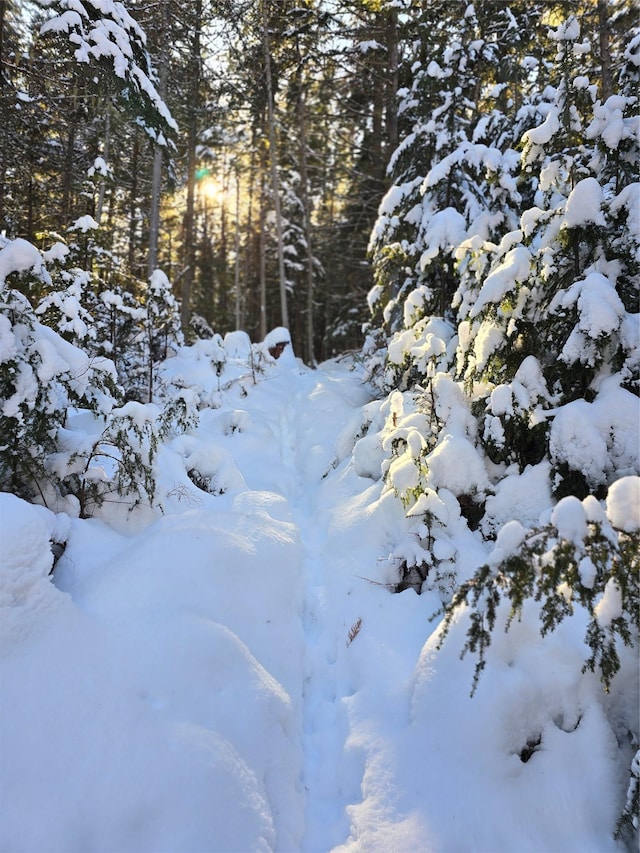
{"x":235,"y":675}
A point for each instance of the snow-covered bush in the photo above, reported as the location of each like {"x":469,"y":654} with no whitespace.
{"x":454,"y":182}
{"x":211,"y":366}
{"x":586,"y":557}
{"x":68,"y":441}
{"x":41,"y":377}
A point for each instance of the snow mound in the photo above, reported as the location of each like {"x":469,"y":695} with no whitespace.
{"x":26,"y":592}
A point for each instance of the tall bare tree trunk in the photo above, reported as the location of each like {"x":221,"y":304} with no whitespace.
{"x":156,"y":175}
{"x":306,"y":213}
{"x":263,"y":257}
{"x":3,"y":11}
{"x":605,"y":50}
{"x":236,"y":248}
{"x":105,"y":157}
{"x":392,"y":82}
{"x":192,"y":139}
{"x":273,"y":156}
{"x":3,"y":136}
{"x":69,"y":158}
{"x":251,"y":236}
{"x":133,"y":207}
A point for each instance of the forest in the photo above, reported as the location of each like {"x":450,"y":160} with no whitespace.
{"x":378,"y":260}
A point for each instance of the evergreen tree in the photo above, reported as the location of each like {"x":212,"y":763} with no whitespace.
{"x":549,"y":321}
{"x":455,"y":170}
{"x":538,"y":371}
{"x":42,"y":375}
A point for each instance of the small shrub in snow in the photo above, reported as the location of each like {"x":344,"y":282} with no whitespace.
{"x":41,"y":377}
{"x":65,"y":436}
{"x":579,"y":559}
{"x":119,"y":463}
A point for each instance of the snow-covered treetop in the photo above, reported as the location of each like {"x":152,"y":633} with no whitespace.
{"x":102,"y":32}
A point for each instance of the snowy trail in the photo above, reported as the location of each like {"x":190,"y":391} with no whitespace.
{"x":324,"y":716}
{"x":309,"y":423}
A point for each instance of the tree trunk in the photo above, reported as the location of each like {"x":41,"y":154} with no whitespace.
{"x":3,"y":12}
{"x":273,"y":156}
{"x":105,"y":156}
{"x":251,"y":238}
{"x":133,"y":207}
{"x":605,"y":50}
{"x":67,"y":181}
{"x":192,"y":139}
{"x":156,"y":176}
{"x":392,"y":82}
{"x":263,"y":260}
{"x":306,"y":213}
{"x":236,"y":248}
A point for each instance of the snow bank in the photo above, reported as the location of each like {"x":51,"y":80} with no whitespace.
{"x":131,"y":707}
{"x":27,"y":595}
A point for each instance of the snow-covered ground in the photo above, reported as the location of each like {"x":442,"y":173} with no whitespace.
{"x":235,"y":675}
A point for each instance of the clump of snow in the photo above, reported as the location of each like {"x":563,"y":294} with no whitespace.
{"x":588,"y":572}
{"x":623,"y":504}
{"x":569,"y":30}
{"x":276,"y":336}
{"x":431,"y":503}
{"x":508,"y":541}
{"x":456,"y":465}
{"x":84,"y":224}
{"x":368,"y":454}
{"x":445,"y":229}
{"x":57,"y":252}
{"x":598,"y":439}
{"x":501,"y":400}
{"x":514,"y":268}
{"x":569,"y":518}
{"x":238,"y":345}
{"x":527,"y":494}
{"x":584,"y":205}
{"x":610,"y":605}
{"x":18,"y":256}
{"x":99,"y":167}
{"x":541,"y":135}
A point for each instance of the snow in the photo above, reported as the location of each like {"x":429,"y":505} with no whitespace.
{"x":84,"y":224}
{"x":567,"y":31}
{"x":514,"y":268}
{"x":610,"y":605}
{"x":456,"y":465}
{"x":584,"y":204}
{"x":231,"y":672}
{"x":541,"y":135}
{"x":445,"y":229}
{"x":609,"y":123}
{"x":569,"y":518}
{"x":623,"y":504}
{"x":18,"y":256}
{"x":508,"y":541}
{"x":598,"y":438}
{"x":501,"y":400}
{"x":530,"y":492}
